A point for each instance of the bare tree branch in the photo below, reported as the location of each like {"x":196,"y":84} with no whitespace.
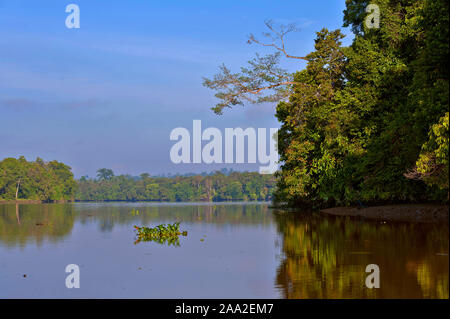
{"x":434,"y":169}
{"x":261,"y":75}
{"x":276,"y":36}
{"x":271,"y":87}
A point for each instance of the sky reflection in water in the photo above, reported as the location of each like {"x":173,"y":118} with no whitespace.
{"x":232,"y":251}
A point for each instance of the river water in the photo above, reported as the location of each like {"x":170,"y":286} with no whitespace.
{"x":232,"y":250}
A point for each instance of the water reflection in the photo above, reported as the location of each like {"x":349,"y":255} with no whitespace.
{"x":316,"y":256}
{"x":20,"y":224}
{"x":326,"y":258}
{"x":229,"y":251}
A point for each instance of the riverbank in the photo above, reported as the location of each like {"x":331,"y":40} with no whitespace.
{"x":32,"y":201}
{"x":423,"y":213}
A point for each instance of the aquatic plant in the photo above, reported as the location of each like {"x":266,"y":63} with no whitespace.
{"x":162,"y":234}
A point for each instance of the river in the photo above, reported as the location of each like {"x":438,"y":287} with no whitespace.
{"x":232,"y":250}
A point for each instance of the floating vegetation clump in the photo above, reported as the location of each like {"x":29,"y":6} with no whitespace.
{"x":163,"y":234}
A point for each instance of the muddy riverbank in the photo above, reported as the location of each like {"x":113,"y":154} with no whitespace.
{"x":425,"y":213}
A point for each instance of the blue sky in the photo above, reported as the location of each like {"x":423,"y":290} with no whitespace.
{"x":109,"y":94}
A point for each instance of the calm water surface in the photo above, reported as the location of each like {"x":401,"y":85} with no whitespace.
{"x":248,"y":251}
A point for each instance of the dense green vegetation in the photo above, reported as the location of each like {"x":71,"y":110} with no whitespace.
{"x":54,"y":181}
{"x":360,"y":116}
{"x":162,"y":234}
{"x":247,"y":186}
{"x":38,"y":180}
{"x":368,"y":122}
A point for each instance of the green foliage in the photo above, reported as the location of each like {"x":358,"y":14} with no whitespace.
{"x":162,"y":234}
{"x":246,"y":186}
{"x":105,"y":174}
{"x":433,"y":164}
{"x":359,"y":116}
{"x":39,"y":180}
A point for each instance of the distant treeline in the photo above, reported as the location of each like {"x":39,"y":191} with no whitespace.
{"x":246,"y":186}
{"x":54,"y":181}
{"x":38,"y":180}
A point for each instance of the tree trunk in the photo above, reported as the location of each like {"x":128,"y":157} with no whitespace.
{"x":17,"y":189}
{"x":17,"y":213}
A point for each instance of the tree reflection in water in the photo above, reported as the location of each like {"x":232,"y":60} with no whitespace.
{"x":326,"y":257}
{"x":20,"y":224}
{"x":322,"y":257}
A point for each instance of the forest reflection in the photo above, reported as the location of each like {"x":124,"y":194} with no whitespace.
{"x":320,"y":257}
{"x":326,"y":258}
{"x":20,"y":224}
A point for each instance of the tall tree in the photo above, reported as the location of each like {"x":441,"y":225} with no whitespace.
{"x":105,"y":174}
{"x":366,"y":122}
